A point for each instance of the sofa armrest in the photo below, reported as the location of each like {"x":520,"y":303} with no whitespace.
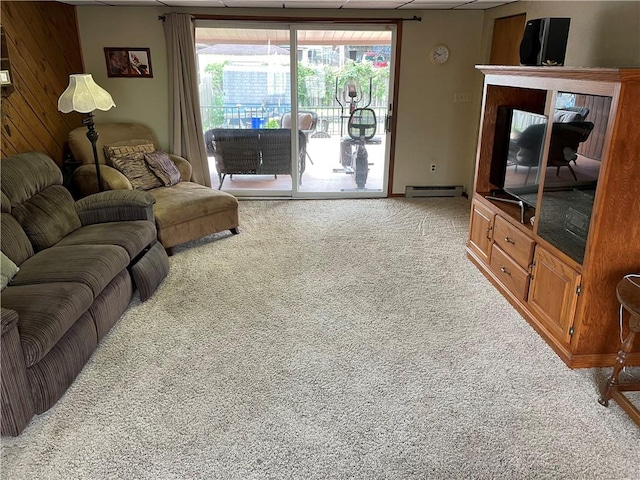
{"x":116,"y":206}
{"x":183,"y":165}
{"x":86,"y":180}
{"x":17,"y":406}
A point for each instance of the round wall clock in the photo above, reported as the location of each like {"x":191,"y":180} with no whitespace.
{"x":439,"y":54}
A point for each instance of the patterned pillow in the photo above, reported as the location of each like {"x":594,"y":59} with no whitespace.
{"x":122,"y":150}
{"x":163,"y":167}
{"x":136,"y":170}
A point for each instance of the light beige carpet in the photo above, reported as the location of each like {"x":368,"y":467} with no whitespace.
{"x":345,"y":339}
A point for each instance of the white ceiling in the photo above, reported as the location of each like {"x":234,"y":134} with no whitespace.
{"x":330,"y":4}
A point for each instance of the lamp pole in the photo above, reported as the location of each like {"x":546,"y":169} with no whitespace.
{"x":92,"y":135}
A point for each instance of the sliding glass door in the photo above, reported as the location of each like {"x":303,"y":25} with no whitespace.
{"x":343,"y":77}
{"x":244,"y":73}
{"x":295,"y":111}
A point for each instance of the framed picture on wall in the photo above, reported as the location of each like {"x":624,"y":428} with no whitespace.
{"x":128,"y":62}
{"x":5,"y":77}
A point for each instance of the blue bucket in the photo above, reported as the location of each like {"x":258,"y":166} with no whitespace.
{"x":256,"y":122}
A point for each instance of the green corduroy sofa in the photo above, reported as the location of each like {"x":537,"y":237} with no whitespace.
{"x":78,"y":264}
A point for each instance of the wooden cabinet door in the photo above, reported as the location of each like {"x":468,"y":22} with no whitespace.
{"x":553,"y":293}
{"x":480,"y":231}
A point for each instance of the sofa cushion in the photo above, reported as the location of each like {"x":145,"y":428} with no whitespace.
{"x":47,"y":216}
{"x":14,"y":242}
{"x":46,"y":311}
{"x":53,"y":374}
{"x":107,"y":307}
{"x":133,"y":236}
{"x":188,"y":201}
{"x":149,"y":272}
{"x":26,"y":174}
{"x":136,"y":170}
{"x":92,"y":265}
{"x":110,"y":134}
{"x":8,"y":270}
{"x":162,"y":166}
{"x":5,"y":203}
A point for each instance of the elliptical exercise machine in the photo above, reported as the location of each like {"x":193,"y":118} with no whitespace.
{"x":361,"y":130}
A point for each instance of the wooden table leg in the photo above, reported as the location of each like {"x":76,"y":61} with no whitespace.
{"x":621,"y":359}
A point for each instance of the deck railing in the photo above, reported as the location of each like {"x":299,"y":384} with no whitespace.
{"x":331,"y":120}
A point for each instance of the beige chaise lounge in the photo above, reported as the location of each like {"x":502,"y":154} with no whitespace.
{"x":185,"y":211}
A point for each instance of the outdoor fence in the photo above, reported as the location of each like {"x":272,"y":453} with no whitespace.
{"x":331,"y":120}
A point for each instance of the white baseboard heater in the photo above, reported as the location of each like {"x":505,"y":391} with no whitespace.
{"x":446,"y":191}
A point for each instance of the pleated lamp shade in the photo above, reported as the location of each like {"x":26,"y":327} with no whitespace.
{"x":84,"y":95}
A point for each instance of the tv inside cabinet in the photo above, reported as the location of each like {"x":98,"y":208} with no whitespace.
{"x":559,"y":264}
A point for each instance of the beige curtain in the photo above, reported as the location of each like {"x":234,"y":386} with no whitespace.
{"x":186,"y":125}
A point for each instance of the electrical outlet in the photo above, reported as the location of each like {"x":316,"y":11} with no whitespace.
{"x":462,"y":97}
{"x":433,"y":167}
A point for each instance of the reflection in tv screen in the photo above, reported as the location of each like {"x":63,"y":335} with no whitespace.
{"x":526,"y":141}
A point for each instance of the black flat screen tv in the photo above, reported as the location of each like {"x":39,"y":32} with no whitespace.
{"x":517,"y":153}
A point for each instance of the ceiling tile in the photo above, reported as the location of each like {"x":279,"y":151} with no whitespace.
{"x":193,"y":3}
{"x":129,"y":3}
{"x":253,"y":3}
{"x":483,"y":4}
{"x":313,"y":3}
{"x":374,"y":4}
{"x":432,"y":5}
{"x":308,"y":4}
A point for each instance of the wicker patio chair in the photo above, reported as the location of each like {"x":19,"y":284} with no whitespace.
{"x":254,"y":151}
{"x":275,"y":149}
{"x":236,"y":151}
{"x":307,"y":122}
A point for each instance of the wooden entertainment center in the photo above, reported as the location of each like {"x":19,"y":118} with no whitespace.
{"x":559,"y":263}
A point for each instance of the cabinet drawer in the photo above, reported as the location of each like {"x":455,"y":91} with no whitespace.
{"x":512,"y":275}
{"x":515,"y":243}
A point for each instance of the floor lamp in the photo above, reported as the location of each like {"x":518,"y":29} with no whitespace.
{"x":83,"y":95}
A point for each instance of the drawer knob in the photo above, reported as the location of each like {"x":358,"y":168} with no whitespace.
{"x":509,"y":240}
{"x":505,"y":270}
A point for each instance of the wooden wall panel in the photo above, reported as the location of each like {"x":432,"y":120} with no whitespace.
{"x":44,"y":49}
{"x":598,"y":114}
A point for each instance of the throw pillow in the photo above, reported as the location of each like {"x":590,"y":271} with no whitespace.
{"x":136,"y":170}
{"x":122,"y":149}
{"x":8,"y":270}
{"x":163,"y":167}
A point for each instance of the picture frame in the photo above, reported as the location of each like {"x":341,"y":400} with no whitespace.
{"x":128,"y":62}
{"x":5,"y":77}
